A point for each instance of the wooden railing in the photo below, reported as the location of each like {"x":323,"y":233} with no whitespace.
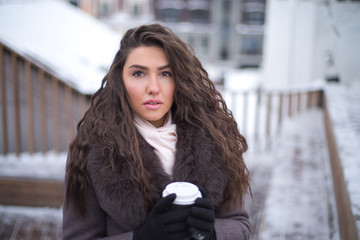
{"x":39,"y":112}
{"x":346,"y":218}
{"x":260,"y":112}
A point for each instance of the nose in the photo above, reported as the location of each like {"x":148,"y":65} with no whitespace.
{"x":153,"y":87}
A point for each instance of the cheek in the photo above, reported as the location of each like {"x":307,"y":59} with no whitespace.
{"x":171,"y":92}
{"x":134,"y":93}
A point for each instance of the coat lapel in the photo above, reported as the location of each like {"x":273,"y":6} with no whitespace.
{"x":196,"y":160}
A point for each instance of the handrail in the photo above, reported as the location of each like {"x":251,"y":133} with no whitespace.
{"x":346,"y":219}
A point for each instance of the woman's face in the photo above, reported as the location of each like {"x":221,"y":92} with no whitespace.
{"x":149,"y":83}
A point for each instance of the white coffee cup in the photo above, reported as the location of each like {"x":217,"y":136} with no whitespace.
{"x":186,"y":193}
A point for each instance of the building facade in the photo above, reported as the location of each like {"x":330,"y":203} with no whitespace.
{"x":225,"y":32}
{"x":311,"y":41}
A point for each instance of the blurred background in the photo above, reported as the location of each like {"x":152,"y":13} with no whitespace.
{"x":289,"y":71}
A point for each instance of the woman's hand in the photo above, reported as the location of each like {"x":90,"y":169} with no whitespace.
{"x":162,"y":223}
{"x":202,"y":220}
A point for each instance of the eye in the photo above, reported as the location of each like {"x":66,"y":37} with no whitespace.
{"x":138,"y":74}
{"x":166,"y":74}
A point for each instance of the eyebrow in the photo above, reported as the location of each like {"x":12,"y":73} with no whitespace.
{"x":143,"y":67}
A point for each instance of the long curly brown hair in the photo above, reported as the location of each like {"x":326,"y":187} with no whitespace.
{"x":109,"y":120}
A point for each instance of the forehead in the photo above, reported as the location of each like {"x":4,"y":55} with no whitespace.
{"x":148,"y":55}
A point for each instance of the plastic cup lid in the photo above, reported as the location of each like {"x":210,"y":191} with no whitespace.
{"x":186,"y":193}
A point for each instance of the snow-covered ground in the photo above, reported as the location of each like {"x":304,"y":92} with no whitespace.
{"x":43,"y":166}
{"x":30,"y":223}
{"x":55,"y":214}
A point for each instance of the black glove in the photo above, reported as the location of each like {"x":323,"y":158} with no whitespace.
{"x":202,"y":219}
{"x":162,"y":223}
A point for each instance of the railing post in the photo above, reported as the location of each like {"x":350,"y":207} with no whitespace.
{"x":234,"y":103}
{"x":290,"y":105}
{"x":83,"y":107}
{"x":30,"y":106}
{"x":281,"y":95}
{"x":268,"y":115}
{"x":299,"y":102}
{"x":257,"y":114}
{"x":15,"y":79}
{"x":245,"y":112}
{"x":43,"y":101}
{"x":69,"y":114}
{"x":308,"y":99}
{"x":56,"y":114}
{"x":3,"y":102}
{"x":320,"y":99}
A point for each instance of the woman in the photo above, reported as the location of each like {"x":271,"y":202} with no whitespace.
{"x":156,"y":119}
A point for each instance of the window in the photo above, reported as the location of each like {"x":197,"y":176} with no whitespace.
{"x":252,"y":1}
{"x":170,"y":15}
{"x":252,"y":45}
{"x":105,"y":9}
{"x":136,"y":10}
{"x":226,"y":5}
{"x":254,"y":18}
{"x":199,"y":16}
{"x":74,"y":2}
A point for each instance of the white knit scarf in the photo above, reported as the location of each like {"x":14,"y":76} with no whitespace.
{"x":163,"y":139}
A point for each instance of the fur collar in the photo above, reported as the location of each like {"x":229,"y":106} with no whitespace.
{"x":196,"y":160}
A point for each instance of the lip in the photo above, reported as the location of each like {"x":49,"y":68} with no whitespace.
{"x":153,"y":104}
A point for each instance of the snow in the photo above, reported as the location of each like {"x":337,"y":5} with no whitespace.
{"x":300,"y":200}
{"x":30,"y":222}
{"x":43,"y":213}
{"x":73,"y":45}
{"x":293,"y":208}
{"x":41,"y":166}
{"x":246,"y":79}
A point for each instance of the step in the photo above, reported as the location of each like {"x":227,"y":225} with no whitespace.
{"x":31,"y":192}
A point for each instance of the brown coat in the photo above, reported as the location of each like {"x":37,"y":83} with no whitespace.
{"x":114,"y":208}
